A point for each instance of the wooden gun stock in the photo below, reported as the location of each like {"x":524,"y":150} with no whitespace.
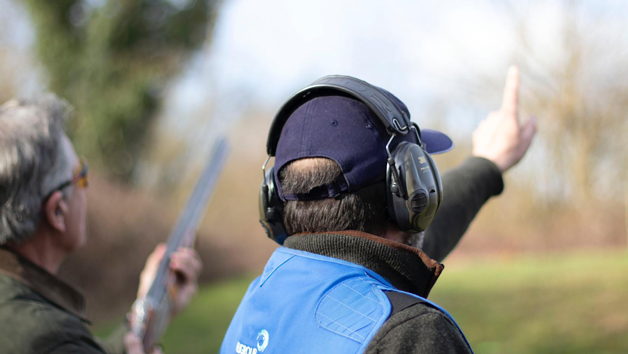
{"x":149,"y":316}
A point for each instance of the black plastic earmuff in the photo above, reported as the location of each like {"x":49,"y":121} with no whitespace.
{"x":414,"y":190}
{"x":271,"y":207}
{"x":414,"y":186}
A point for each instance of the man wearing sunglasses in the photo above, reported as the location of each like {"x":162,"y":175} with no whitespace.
{"x":43,"y":205}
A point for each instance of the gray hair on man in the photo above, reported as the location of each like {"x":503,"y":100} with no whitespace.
{"x":33,"y":161}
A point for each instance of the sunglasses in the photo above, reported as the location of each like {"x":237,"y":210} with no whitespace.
{"x":79,"y":178}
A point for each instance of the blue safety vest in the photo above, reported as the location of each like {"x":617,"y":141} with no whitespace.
{"x":308,"y":303}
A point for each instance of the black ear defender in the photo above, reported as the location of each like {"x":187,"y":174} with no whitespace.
{"x":271,"y":207}
{"x":414,"y":186}
{"x":414,"y":189}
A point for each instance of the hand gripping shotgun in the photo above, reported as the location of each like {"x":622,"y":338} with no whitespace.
{"x":149,"y":316}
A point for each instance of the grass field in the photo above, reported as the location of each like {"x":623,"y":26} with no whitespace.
{"x":550,"y":304}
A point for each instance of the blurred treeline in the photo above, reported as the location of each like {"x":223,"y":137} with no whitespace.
{"x":571,"y":191}
{"x":114,"y":59}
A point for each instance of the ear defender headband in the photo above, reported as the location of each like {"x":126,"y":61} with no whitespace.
{"x":413,"y":185}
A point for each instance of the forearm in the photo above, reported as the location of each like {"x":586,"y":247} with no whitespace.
{"x":466,"y":188}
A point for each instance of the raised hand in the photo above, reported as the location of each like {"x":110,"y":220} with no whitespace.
{"x":499,"y":137}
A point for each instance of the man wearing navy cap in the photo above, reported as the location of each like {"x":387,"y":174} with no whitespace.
{"x":350,"y":198}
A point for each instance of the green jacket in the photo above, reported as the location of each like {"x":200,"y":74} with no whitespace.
{"x":41,"y":314}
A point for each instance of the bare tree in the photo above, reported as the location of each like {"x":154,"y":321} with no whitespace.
{"x":580,"y":92}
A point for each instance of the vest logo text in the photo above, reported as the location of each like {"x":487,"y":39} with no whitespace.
{"x":245,"y":349}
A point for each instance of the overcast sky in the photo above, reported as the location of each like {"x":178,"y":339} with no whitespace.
{"x":422,"y":51}
{"x":416,"y":49}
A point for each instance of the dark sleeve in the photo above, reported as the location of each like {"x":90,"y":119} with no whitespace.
{"x":64,"y":333}
{"x":73,"y":348}
{"x":114,"y":344}
{"x":465,"y":189}
{"x":416,"y":331}
{"x":71,"y":339}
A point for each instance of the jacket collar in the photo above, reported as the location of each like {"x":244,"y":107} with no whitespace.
{"x":405,"y":267}
{"x":44,"y":283}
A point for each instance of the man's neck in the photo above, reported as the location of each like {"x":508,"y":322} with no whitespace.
{"x":41,"y":249}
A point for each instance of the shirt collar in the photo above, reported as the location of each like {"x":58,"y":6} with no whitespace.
{"x":44,"y":283}
{"x":406,"y":268}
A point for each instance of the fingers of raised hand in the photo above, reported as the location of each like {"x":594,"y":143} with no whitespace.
{"x":510,"y":99}
{"x":528,"y":130}
{"x":491,"y":126}
{"x":494,"y":117}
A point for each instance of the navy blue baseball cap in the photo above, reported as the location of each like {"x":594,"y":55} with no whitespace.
{"x":347,"y":131}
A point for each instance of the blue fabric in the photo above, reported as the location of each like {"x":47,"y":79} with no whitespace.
{"x":304,"y":303}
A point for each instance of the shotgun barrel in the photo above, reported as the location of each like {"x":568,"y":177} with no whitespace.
{"x":150,"y":315}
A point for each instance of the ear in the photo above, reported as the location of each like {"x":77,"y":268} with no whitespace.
{"x":55,"y":211}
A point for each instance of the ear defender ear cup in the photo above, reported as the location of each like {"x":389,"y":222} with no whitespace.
{"x":271,"y":209}
{"x":413,"y":199}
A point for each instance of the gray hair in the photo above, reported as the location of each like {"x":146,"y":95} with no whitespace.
{"x":33,"y":161}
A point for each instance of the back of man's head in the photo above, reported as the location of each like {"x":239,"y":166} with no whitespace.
{"x":348,"y":157}
{"x":32,"y":161}
{"x":333,"y":133}
{"x":363,"y":210}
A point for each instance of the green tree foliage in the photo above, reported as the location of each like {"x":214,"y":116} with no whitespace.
{"x":111,"y":59}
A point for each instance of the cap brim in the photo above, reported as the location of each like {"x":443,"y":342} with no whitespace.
{"x":436,"y":142}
